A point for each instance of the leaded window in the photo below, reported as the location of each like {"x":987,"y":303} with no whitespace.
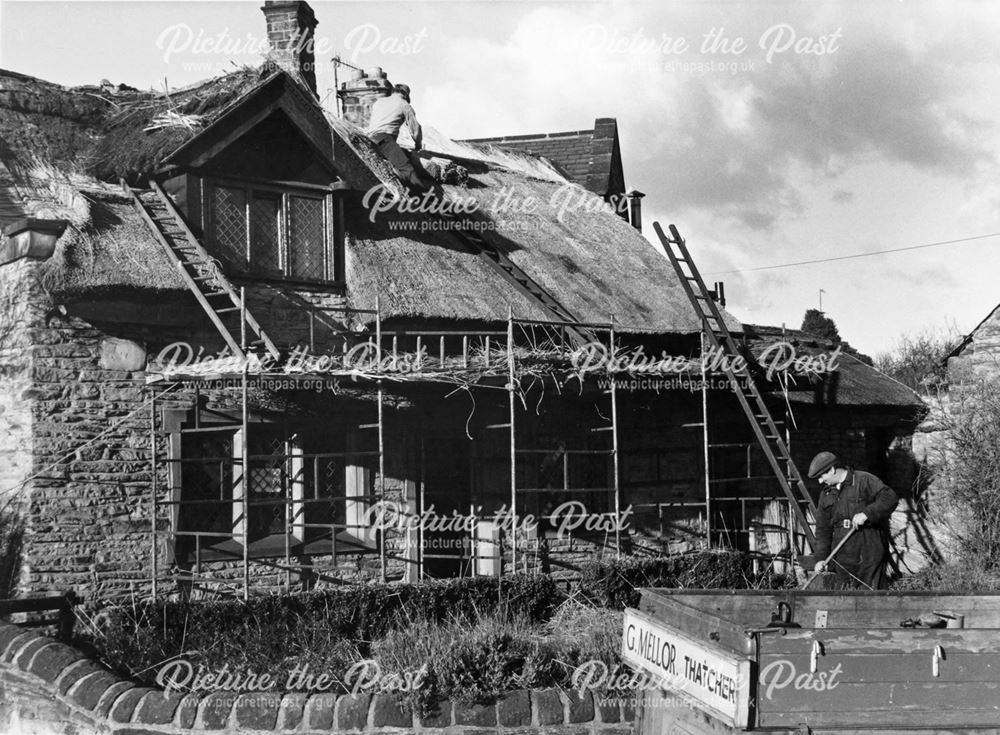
{"x":273,"y":232}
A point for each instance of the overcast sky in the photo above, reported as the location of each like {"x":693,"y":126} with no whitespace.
{"x":768,"y":132}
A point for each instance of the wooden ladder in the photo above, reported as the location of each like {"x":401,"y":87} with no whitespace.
{"x":742,"y":382}
{"x":199,"y":270}
{"x":578,"y":334}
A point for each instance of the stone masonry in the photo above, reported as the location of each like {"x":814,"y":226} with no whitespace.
{"x":75,"y":424}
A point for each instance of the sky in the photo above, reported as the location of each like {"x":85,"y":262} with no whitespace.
{"x":769,"y":133}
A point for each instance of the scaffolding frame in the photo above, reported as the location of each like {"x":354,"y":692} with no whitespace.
{"x":497,"y":356}
{"x":557,"y":334}
{"x":713,"y":534}
{"x":565,"y":337}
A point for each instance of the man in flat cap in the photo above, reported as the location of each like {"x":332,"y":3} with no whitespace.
{"x":858,"y":500}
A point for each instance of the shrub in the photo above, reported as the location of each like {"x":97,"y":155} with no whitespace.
{"x":919,"y":361}
{"x":969,"y":470}
{"x":957,"y":577}
{"x":616,"y":583}
{"x":329,"y":629}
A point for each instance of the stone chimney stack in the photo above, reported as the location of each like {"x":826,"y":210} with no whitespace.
{"x":359,"y":94}
{"x":291,"y":31}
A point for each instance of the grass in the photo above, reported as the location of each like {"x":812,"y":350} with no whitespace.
{"x":476,"y":660}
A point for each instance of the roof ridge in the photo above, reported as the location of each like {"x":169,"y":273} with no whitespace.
{"x":530,"y":136}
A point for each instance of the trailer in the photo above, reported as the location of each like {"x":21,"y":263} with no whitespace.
{"x":794,"y":661}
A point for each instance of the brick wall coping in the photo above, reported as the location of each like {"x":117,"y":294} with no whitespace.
{"x":34,"y":663}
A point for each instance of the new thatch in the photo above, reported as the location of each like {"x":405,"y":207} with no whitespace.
{"x":592,"y":262}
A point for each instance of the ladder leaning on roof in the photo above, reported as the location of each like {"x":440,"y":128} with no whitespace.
{"x":577,"y":333}
{"x":741,"y":381}
{"x":199,"y":270}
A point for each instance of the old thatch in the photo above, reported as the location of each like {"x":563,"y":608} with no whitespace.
{"x":112,"y":250}
{"x":41,"y":121}
{"x":143,"y":130}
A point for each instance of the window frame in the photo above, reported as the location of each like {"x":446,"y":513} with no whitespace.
{"x":332,"y":227}
{"x":357,"y":480}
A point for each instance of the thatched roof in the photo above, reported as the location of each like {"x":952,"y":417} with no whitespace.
{"x":143,"y":130}
{"x":854,"y":383}
{"x":41,"y":121}
{"x":593,"y":262}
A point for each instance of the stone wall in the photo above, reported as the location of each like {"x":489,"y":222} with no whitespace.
{"x":979,"y":358}
{"x":75,"y":411}
{"x":17,"y":316}
{"x":47,"y":687}
{"x":87,"y":516}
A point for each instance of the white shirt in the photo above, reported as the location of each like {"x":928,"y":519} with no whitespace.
{"x":389,"y":114}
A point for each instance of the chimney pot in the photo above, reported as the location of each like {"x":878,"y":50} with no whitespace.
{"x":635,"y":208}
{"x":359,"y":94}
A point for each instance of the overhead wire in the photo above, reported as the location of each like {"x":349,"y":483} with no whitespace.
{"x":856,"y":255}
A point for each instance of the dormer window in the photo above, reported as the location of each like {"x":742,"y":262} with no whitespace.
{"x":274,"y":232}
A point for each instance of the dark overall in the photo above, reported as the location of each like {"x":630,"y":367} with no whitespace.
{"x":860,"y":563}
{"x":407,"y":165}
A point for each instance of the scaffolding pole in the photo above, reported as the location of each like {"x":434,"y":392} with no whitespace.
{"x":705,"y":443}
{"x":245,"y":446}
{"x":614,"y":444}
{"x":289,"y":470}
{"x":381,"y":476}
{"x":152,"y":490}
{"x":421,"y":501}
{"x":512,"y":398}
{"x":381,"y":436}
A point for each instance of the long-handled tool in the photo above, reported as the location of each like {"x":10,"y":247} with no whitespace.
{"x":826,"y":562}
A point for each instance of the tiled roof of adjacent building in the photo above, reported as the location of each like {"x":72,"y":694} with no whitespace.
{"x":587,"y":157}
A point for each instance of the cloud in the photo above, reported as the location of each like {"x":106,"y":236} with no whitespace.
{"x":929,"y":277}
{"x":726,"y":133}
{"x":840,"y":196}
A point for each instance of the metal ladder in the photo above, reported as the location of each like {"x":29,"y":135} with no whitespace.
{"x":199,"y":270}
{"x":742,"y":382}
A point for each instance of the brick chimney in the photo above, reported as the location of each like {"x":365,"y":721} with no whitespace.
{"x":359,"y":94}
{"x":291,"y":31}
